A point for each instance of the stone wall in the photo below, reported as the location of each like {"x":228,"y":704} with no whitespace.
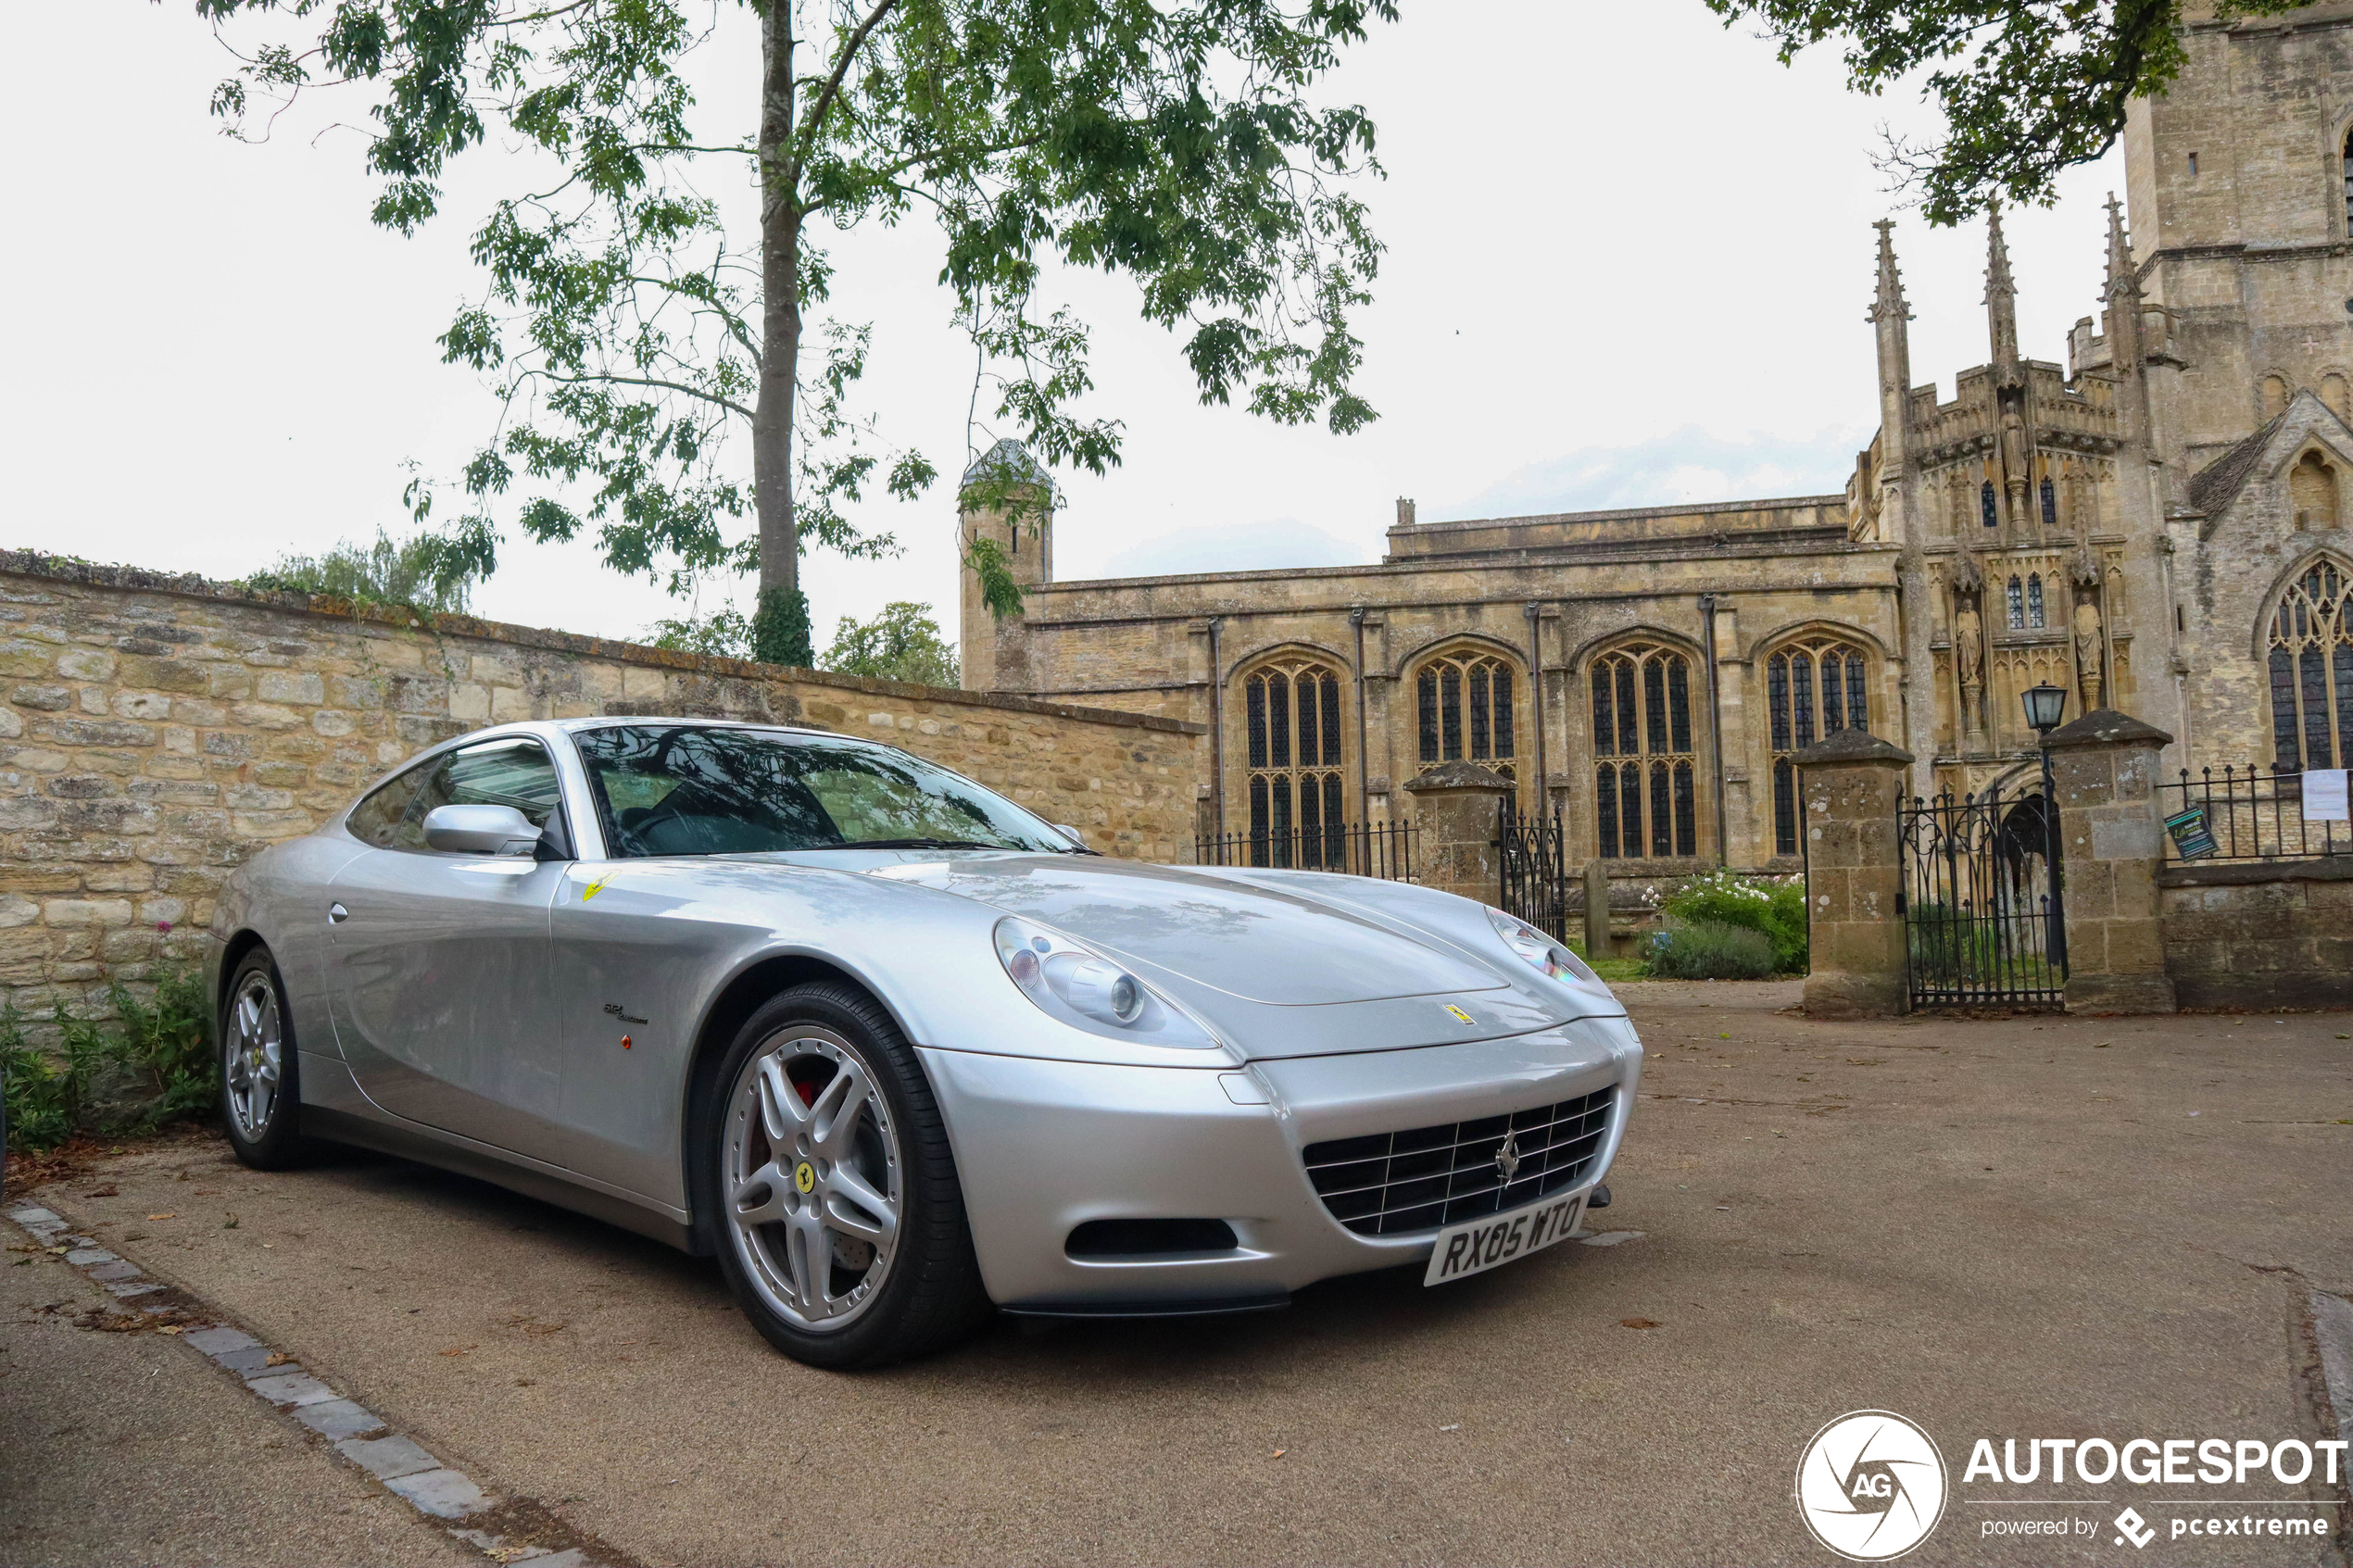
{"x":2259,"y":934}
{"x":155,"y":731}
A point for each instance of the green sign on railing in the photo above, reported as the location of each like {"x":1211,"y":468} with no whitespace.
{"x":2193,"y":837}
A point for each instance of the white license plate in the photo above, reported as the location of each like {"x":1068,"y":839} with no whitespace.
{"x":1478,"y":1244}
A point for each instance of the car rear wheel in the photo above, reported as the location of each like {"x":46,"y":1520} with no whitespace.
{"x":261,"y":1097}
{"x":827,"y":1170}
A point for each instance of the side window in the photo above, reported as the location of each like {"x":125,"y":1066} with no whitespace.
{"x":514,"y":770}
{"x":378,"y":817}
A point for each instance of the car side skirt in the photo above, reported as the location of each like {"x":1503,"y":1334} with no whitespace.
{"x":334,"y":1109}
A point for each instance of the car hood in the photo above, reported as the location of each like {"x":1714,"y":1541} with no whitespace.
{"x":1258,"y":945}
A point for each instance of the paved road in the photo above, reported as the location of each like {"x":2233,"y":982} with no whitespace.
{"x":121,"y":1448}
{"x":2026,"y":1227}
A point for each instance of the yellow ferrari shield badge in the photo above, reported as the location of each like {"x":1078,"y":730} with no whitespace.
{"x":1460,"y":1016}
{"x":804,"y":1178}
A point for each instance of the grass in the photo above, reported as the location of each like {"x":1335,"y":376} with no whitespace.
{"x":1611,"y":969}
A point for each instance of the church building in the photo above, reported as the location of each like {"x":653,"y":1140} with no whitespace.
{"x":2159,"y":525}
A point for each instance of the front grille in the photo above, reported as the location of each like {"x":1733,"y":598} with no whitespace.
{"x":1420,"y":1180}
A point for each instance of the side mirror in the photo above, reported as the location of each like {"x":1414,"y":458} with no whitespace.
{"x":480,"y":830}
{"x":1072,"y":834}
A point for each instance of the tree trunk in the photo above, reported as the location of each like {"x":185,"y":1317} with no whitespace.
{"x":780,"y":216}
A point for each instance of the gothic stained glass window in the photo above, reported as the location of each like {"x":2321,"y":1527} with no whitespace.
{"x":2348,"y":182}
{"x":1985,"y":505}
{"x":2016,"y":605}
{"x":1291,"y":711}
{"x":1464,"y":711}
{"x":2035,"y":600}
{"x":2050,"y":503}
{"x":1645,"y":772}
{"x":2311,"y":670}
{"x":1823,"y":678}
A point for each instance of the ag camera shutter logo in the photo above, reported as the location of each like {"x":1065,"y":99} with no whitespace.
{"x":1872,"y":1485}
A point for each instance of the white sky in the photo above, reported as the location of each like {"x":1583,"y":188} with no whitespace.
{"x":1629,"y":260}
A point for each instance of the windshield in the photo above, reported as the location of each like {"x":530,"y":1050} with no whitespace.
{"x":677,"y":789}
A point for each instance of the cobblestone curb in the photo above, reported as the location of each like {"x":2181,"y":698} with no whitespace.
{"x":505,"y":1530}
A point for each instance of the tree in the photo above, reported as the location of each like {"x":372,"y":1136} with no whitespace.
{"x":421,"y":573}
{"x":902,"y":643}
{"x":724,"y":631}
{"x":641,"y":346}
{"x":2028,"y":87}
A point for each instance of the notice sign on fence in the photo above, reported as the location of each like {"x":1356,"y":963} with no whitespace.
{"x":2324,"y":796}
{"x":2193,"y":839}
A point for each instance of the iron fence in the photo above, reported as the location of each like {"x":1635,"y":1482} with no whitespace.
{"x":1979,"y":897}
{"x":1377,"y":849}
{"x":1534,"y":865}
{"x":2246,"y":814}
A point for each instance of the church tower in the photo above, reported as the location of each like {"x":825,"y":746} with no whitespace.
{"x":2237,"y":180}
{"x":1006,"y":505}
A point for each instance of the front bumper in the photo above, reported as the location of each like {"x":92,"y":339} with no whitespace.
{"x":1044,"y":1146}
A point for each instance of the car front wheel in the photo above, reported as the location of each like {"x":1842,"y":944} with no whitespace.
{"x":841,"y":1224}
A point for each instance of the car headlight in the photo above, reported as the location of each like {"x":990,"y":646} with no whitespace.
{"x":1088,"y":991}
{"x":1539,"y":950}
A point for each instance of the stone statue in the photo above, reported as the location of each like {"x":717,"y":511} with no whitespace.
{"x":2087,"y":653}
{"x":2014,"y":458}
{"x":1968,"y":662}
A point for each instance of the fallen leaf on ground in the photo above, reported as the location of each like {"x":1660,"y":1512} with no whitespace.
{"x":1279,"y":1453}
{"x":276,"y":1357}
{"x":1637,"y":1323}
{"x":457,"y":1350}
{"x":169,"y":1328}
{"x":166,"y":1214}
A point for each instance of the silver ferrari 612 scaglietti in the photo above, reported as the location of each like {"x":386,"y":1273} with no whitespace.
{"x":895,"y":1049}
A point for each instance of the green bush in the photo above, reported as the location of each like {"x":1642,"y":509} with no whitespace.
{"x":1772,"y":907}
{"x":1712,"y":950}
{"x":422,"y":572}
{"x":151,"y":1064}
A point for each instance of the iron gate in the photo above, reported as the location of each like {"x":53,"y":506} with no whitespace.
{"x":1981,"y":898}
{"x":1535,"y":870}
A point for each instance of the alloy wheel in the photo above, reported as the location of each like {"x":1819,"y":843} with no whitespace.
{"x":253,"y":1063}
{"x":810,"y":1178}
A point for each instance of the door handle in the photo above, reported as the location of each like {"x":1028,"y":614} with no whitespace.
{"x":337,"y":914}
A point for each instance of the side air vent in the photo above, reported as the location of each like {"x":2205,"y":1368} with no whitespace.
{"x":1140,"y":1238}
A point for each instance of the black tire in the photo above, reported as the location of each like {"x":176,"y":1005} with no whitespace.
{"x":930,"y":1295}
{"x":274,"y":1140}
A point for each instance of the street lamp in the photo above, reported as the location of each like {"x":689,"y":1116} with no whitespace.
{"x":2045,"y":704}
